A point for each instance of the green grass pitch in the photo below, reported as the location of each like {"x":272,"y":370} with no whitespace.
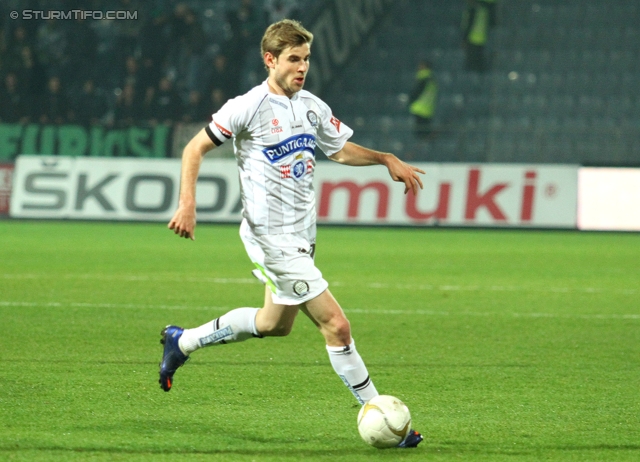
{"x":505,"y":345}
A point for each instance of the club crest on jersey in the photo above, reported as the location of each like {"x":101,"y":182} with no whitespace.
{"x":292,"y":145}
{"x":297,"y":170}
{"x":313,"y":118}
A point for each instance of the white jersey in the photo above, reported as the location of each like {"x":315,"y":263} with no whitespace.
{"x":274,"y":140}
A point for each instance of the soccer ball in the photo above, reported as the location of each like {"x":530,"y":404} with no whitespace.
{"x":384,"y":421}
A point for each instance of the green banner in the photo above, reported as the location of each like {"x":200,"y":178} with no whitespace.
{"x":76,"y":140}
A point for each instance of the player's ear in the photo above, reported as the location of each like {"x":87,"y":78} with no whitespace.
{"x":269,"y":60}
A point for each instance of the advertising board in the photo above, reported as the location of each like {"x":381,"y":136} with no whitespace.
{"x":609,"y":199}
{"x":147,"y":190}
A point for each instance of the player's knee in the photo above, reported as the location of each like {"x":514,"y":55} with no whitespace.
{"x":275,"y":329}
{"x":340,"y":329}
{"x":344,"y":333}
{"x":281,"y":331}
{"x":270,"y":324}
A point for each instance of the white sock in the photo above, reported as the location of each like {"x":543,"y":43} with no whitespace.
{"x":235,"y":326}
{"x":350,"y":367}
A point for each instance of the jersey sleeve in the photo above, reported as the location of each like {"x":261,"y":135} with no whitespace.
{"x":332,"y":133}
{"x":231,"y":119}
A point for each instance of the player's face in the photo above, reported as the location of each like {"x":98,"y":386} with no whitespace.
{"x":288,"y":71}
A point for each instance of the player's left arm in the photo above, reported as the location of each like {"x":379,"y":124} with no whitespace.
{"x":356,"y":155}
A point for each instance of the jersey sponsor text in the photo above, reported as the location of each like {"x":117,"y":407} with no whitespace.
{"x":293,"y":144}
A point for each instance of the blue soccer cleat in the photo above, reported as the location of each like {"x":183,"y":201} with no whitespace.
{"x":412,"y":440}
{"x":172,"y":357}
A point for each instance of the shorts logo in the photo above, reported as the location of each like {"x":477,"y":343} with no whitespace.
{"x":311,"y":252}
{"x":313,"y":118}
{"x":275,"y":122}
{"x":301,"y":288}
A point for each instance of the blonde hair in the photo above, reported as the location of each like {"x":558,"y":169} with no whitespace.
{"x":284,"y":34}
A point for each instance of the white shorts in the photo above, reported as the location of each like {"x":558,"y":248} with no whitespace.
{"x":286,"y":263}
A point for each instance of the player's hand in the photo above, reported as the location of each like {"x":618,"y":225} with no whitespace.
{"x":405,"y":173}
{"x":183,"y":222}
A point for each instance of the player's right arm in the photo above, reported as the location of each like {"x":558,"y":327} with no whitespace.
{"x":183,"y":222}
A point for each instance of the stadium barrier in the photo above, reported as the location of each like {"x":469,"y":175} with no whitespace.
{"x":77,"y":140}
{"x":491,"y":195}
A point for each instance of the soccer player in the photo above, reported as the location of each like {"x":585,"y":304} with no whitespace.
{"x":275,"y":128}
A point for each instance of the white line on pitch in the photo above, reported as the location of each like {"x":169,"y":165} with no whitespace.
{"x":370,"y":285}
{"x":494,"y":313}
{"x":112,"y":305}
{"x":353,"y":310}
{"x":133,"y":277}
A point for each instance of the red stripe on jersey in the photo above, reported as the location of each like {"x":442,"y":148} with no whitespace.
{"x":336,"y":123}
{"x":223,"y":130}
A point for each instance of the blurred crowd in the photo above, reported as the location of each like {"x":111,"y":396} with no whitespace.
{"x":177,"y":62}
